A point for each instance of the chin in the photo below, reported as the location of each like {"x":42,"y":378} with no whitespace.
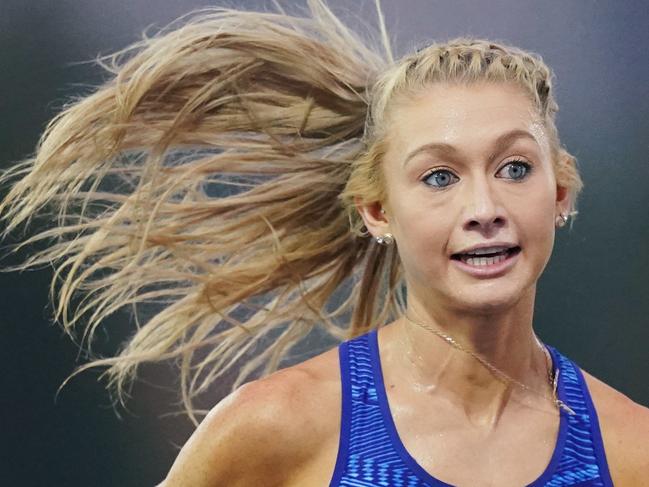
{"x":484,"y":301}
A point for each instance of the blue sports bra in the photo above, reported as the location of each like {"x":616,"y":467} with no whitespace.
{"x":370,"y":453}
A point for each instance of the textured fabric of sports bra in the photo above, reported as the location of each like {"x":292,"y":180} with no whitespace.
{"x":370,"y":453}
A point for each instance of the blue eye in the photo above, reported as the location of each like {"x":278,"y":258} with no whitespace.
{"x":518,"y":170}
{"x":440,"y":176}
{"x":522,"y":169}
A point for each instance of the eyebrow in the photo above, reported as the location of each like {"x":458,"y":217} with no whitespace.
{"x":444,"y":149}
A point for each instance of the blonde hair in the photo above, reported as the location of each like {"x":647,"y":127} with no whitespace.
{"x":214,"y":175}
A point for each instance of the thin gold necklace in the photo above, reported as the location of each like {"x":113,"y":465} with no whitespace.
{"x":553,"y":377}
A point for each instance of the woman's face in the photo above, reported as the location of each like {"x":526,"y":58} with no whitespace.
{"x":469,"y":165}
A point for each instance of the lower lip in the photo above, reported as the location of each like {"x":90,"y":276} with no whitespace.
{"x":486,"y":271}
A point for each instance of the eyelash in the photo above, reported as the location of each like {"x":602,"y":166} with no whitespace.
{"x":528,"y":170}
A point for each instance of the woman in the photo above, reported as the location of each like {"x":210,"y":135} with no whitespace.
{"x":244,"y":168}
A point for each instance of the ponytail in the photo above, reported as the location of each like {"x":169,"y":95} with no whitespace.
{"x":204,"y":177}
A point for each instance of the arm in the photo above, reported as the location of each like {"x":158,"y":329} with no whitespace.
{"x":249,"y":438}
{"x":625,"y":431}
{"x":628,"y":444}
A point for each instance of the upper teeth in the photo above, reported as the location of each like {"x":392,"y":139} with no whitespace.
{"x":487,"y":250}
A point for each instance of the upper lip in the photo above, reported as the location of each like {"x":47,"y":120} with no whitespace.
{"x":484,"y":245}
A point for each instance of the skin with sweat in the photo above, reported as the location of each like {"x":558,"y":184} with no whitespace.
{"x":481,"y":194}
{"x":451,"y":187}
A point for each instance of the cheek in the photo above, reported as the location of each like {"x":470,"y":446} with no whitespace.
{"x":423,"y":235}
{"x":536,"y":224}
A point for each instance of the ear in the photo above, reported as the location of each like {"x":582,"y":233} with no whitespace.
{"x":564,"y":202}
{"x":564,"y":199}
{"x":375,"y":221}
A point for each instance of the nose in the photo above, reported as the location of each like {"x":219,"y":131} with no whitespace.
{"x":483,"y":211}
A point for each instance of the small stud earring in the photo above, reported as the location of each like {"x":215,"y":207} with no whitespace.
{"x":561,"y":220}
{"x":385,"y":239}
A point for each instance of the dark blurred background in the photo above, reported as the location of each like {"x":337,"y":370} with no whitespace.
{"x":592,"y":301}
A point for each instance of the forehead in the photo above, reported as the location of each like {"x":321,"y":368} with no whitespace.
{"x":462,"y":114}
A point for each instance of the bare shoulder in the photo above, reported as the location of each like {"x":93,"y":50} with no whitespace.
{"x":263,"y":432}
{"x":625,"y":431}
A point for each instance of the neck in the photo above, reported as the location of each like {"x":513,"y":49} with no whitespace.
{"x":505,"y":340}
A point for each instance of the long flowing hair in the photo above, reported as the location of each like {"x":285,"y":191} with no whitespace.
{"x":215,"y":175}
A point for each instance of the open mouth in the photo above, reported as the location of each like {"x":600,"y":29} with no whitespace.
{"x":486,"y":259}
